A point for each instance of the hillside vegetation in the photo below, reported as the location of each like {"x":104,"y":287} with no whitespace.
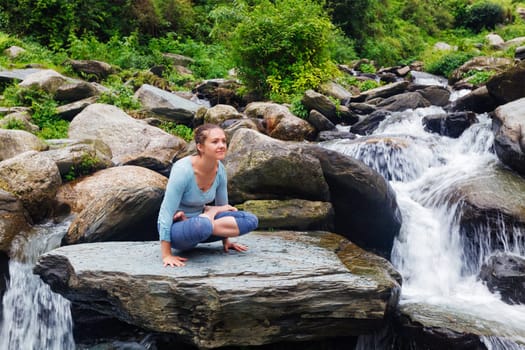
{"x":278,"y":48}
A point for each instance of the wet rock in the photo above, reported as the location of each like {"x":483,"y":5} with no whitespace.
{"x":322,"y":286}
{"x":366,"y":210}
{"x":427,"y":326}
{"x":319,"y":121}
{"x":478,"y":101}
{"x":505,"y":273}
{"x":508,"y":86}
{"x":13,"y":220}
{"x":509,"y":139}
{"x":404,"y":101}
{"x":479,"y":64}
{"x":334,"y":135}
{"x":382,"y":91}
{"x":451,"y":125}
{"x":369,"y":123}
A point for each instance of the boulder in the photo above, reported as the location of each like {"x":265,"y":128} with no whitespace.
{"x":492,"y":199}
{"x":17,"y":74}
{"x":14,"y":51}
{"x":292,"y":214}
{"x":451,"y":125}
{"x":432,"y":326}
{"x":280,"y":123}
{"x":260,"y":167}
{"x":166,"y":104}
{"x":220,"y":113}
{"x":34,"y":179}
{"x":384,"y":91}
{"x":79,"y":157}
{"x":131,"y":141}
{"x":505,"y":273}
{"x":369,"y":123}
{"x":100,"y":70}
{"x":70,"y":110}
{"x":13,"y":220}
{"x":436,"y":95}
{"x":404,"y":101}
{"x":290,"y":286}
{"x":481,"y":63}
{"x":319,"y":121}
{"x":22,"y":118}
{"x":335,"y":90}
{"x":217,"y":91}
{"x":119,"y":203}
{"x":14,"y":142}
{"x":508,"y":125}
{"x":365,"y":206}
{"x":508,"y":86}
{"x":478,"y":101}
{"x":495,"y":41}
{"x":321,"y":103}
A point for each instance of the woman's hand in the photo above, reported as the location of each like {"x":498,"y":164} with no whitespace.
{"x":179,"y":216}
{"x":173,"y":261}
{"x":231,"y":245}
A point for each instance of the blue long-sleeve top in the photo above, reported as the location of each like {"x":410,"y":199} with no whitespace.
{"x":183,"y":193}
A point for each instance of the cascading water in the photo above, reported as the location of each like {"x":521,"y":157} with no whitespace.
{"x":34,"y":317}
{"x":424,"y":169}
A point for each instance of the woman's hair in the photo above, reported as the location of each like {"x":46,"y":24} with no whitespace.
{"x":201,"y":133}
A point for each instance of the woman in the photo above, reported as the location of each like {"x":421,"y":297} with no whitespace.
{"x":184,"y":218}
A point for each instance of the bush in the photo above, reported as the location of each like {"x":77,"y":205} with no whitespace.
{"x":482,"y":15}
{"x":447,"y":63}
{"x":278,"y":54}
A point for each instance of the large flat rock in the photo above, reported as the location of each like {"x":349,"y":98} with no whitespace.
{"x":289,"y":286}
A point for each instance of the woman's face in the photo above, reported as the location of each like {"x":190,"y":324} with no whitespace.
{"x":215,"y":144}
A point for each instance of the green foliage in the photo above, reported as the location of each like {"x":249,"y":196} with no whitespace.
{"x":276,"y":54}
{"x":87,"y":165}
{"x":210,"y":60}
{"x":44,"y":110}
{"x":368,"y":85}
{"x":45,"y":116}
{"x":478,"y":77}
{"x":298,"y":108}
{"x":447,"y":63}
{"x":182,"y":131}
{"x":15,"y":124}
{"x":119,"y":95}
{"x":124,"y":52}
{"x":511,"y":31}
{"x":367,"y":68}
{"x":481,"y":15}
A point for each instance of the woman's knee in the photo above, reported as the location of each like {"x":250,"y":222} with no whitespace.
{"x":247,"y":222}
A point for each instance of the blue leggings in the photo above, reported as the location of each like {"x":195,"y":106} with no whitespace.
{"x":188,"y":233}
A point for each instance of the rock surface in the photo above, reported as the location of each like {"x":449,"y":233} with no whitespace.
{"x":290,"y":286}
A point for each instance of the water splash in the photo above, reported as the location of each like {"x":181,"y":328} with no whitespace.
{"x":430,"y":253}
{"x":35,"y":318}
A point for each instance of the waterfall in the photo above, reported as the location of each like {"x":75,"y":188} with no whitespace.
{"x":34,"y":317}
{"x":424,"y":169}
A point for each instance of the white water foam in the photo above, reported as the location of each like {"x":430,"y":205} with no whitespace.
{"x":34,"y":317}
